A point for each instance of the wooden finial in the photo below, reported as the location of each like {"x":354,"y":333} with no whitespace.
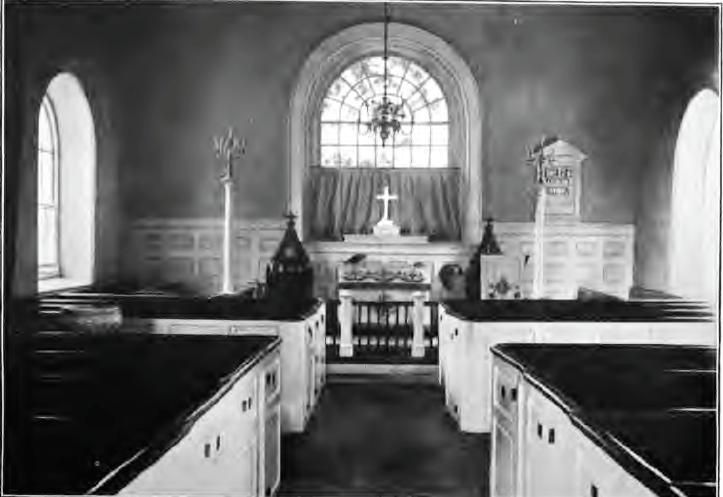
{"x":290,"y":217}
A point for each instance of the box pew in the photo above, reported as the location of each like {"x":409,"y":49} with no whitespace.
{"x":468,"y":330}
{"x":301,"y":326}
{"x":133,"y":413}
{"x":603,"y":420}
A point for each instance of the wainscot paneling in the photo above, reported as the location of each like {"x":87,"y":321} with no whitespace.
{"x":597,"y":256}
{"x":188,"y":252}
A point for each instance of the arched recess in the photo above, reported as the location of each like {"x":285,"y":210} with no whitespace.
{"x":432,"y":53}
{"x":695,"y":202}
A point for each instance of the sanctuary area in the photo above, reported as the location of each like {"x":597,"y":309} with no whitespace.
{"x":379,"y":249}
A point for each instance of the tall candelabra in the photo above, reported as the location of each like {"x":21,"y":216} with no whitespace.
{"x":536,"y":157}
{"x":228,"y":147}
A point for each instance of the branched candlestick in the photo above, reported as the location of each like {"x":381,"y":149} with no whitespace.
{"x":536,"y":156}
{"x":228,"y":148}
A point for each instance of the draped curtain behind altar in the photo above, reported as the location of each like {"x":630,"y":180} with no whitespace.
{"x":343,"y":201}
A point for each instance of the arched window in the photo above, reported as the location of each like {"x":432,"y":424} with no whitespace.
{"x":695,"y":205}
{"x":346,"y":138}
{"x":337,"y":167}
{"x":48,"y":192}
{"x":66,"y":154}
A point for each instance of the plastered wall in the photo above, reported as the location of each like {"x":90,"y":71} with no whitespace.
{"x":167,"y":77}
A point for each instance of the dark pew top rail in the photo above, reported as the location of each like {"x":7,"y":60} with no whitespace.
{"x":652,"y":408}
{"x":95,"y":422}
{"x":642,"y":293}
{"x":153,"y":305}
{"x":578,"y":310}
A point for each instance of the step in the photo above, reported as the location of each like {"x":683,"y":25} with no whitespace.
{"x":375,"y":493}
{"x":350,"y":372}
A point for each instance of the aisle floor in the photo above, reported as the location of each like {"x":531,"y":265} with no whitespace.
{"x":380,"y":438}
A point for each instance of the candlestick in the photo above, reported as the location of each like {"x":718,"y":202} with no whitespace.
{"x":228,"y":147}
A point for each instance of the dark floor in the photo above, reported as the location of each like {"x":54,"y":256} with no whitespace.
{"x":382,"y":438}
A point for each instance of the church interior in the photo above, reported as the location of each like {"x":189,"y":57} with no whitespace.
{"x":375,"y":249}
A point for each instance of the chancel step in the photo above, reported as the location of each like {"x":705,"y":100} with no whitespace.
{"x":450,"y":493}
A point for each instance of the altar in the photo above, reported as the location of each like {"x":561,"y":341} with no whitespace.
{"x":377,"y":280}
{"x":379,"y":292}
{"x":382,"y":265}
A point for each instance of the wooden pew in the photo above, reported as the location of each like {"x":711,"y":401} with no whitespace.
{"x":468,"y":330}
{"x":102,"y":411}
{"x":301,"y":325}
{"x":632,"y":420}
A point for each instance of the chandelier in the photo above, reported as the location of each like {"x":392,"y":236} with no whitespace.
{"x":387,"y":116}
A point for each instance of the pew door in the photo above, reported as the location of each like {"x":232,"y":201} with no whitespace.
{"x":507,"y":440}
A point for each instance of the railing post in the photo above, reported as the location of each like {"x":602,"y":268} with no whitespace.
{"x":418,"y":324}
{"x":346,"y":310}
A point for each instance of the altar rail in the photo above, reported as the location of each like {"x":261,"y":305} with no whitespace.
{"x":383,"y":331}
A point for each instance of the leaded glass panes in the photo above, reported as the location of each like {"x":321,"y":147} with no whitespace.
{"x":348,"y":134}
{"x":347,"y":156}
{"x":347,"y":141}
{"x":439,"y":134}
{"x":366,"y":156}
{"x":48,"y":207}
{"x":438,"y":156}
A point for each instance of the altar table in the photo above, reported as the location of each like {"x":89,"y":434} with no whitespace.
{"x":377,"y":281}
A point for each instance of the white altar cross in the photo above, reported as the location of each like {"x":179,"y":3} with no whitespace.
{"x":386,"y":198}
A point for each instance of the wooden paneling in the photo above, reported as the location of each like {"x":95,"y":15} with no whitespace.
{"x":182,"y":251}
{"x":465,"y":359}
{"x":303,"y":355}
{"x":541,"y":453}
{"x":594,"y":255}
{"x":233,"y":448}
{"x":188,"y":252}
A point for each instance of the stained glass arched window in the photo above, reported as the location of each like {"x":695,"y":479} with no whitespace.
{"x":345,"y":138}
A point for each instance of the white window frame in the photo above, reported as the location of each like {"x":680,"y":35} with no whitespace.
{"x":47,"y":271}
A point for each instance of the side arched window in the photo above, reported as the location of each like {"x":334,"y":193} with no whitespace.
{"x":66,"y":172}
{"x":48,"y":192}
{"x":695,"y":204}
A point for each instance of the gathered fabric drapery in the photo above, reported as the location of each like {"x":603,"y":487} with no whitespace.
{"x":343,"y":201}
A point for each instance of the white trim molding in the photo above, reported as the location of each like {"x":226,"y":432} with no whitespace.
{"x":432,"y":53}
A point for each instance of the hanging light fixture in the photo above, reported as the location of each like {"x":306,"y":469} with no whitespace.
{"x":387,"y":116}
